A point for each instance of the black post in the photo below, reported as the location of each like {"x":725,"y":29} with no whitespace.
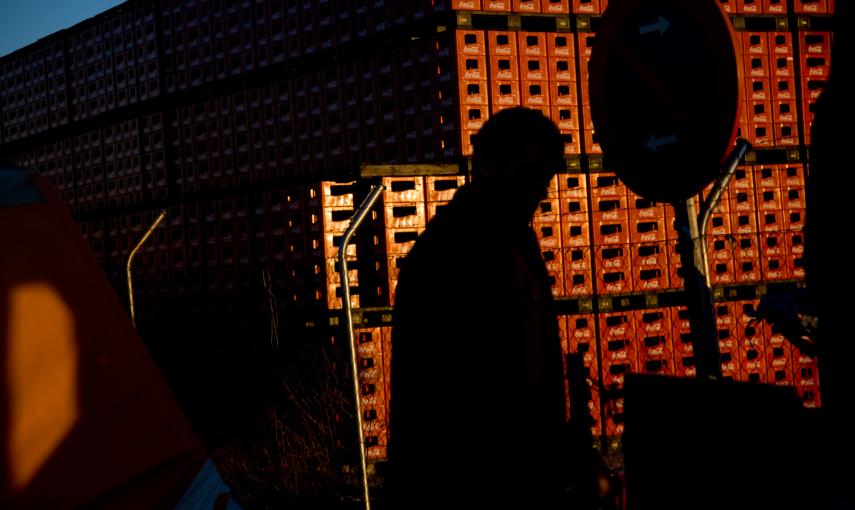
{"x":698,"y":295}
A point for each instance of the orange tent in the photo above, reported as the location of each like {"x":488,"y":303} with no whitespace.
{"x":87,"y":420}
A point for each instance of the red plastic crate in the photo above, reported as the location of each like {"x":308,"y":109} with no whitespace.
{"x":576,"y":234}
{"x":496,"y":5}
{"x":655,"y":344}
{"x":810,"y":6}
{"x":532,"y":44}
{"x":742,"y":200}
{"x":560,"y":46}
{"x":473,"y":93}
{"x":792,"y":175}
{"x":566,"y":118}
{"x":729,"y":6}
{"x":758,"y":89}
{"x":578,"y":282}
{"x":759,"y":112}
{"x":442,"y":188}
{"x":774,"y":6}
{"x":505,"y":94}
{"x":721,"y":260}
{"x":614,"y":281}
{"x":548,"y":234}
{"x":504,"y":67}
{"x":571,"y":140}
{"x":784,"y":113}
{"x":403,"y":189}
{"x":572,"y":186}
{"x":573,"y":210}
{"x":472,"y":118}
{"x":768,"y":199}
{"x":555,"y":6}
{"x":466,"y":5}
{"x":793,"y":198}
{"x":783,"y":89}
{"x":472,"y":67}
{"x":794,"y":219}
{"x":534,"y":68}
{"x":779,"y":357}
{"x":647,"y":230}
{"x":783,"y":66}
{"x":562,"y":69}
{"x":526,"y":6}
{"x":719,"y":224}
{"x":610,"y":231}
{"x":586,"y":7}
{"x":617,"y":346}
{"x":816,"y":67}
{"x":650,"y":270}
{"x":400,"y":241}
{"x":815,"y":43}
{"x":502,"y":43}
{"x":806,"y":371}
{"x":548,"y":211}
{"x":641,"y":208}
{"x":610,"y":207}
{"x":535,"y":93}
{"x":755,"y":43}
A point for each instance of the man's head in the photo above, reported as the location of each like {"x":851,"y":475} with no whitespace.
{"x":517,"y":152}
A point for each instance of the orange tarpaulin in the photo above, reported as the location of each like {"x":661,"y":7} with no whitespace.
{"x":86,"y":419}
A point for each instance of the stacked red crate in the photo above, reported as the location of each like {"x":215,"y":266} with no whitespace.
{"x":773,"y":254}
{"x":473,"y":84}
{"x":547,"y":227}
{"x":779,"y":357}
{"x":576,"y":239}
{"x":563,"y":88}
{"x":813,"y":6}
{"x":649,"y":248}
{"x":751,"y":343}
{"x":655,"y":339}
{"x":815,"y":52}
{"x":439,"y":191}
{"x":756,"y":115}
{"x":504,"y":58}
{"x":372,"y":351}
{"x":619,"y":353}
{"x":589,"y":6}
{"x":806,"y":378}
{"x":783,"y":106}
{"x":529,"y":6}
{"x":792,"y":179}
{"x":612,"y":234}
{"x":726,"y":329}
{"x":405,"y":217}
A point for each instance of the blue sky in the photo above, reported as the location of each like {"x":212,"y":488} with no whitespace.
{"x":25,"y":21}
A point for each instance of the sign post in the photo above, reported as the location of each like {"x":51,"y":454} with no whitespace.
{"x":665,"y":90}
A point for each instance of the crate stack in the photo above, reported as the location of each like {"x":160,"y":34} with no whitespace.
{"x":247,"y":122}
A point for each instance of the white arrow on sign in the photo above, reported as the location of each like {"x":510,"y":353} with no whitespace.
{"x":654,"y":143}
{"x":660,"y":26}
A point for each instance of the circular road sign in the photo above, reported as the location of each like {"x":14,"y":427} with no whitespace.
{"x":665,"y":92}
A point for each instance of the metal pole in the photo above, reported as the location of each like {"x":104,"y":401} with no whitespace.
{"x":713,"y":198}
{"x":145,"y":237}
{"x":699,"y":298}
{"x":360,"y":214}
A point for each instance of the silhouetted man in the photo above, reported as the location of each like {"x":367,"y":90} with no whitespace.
{"x":828,"y":256}
{"x":478,"y":406}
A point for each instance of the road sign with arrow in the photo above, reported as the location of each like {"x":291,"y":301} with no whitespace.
{"x":664,"y":87}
